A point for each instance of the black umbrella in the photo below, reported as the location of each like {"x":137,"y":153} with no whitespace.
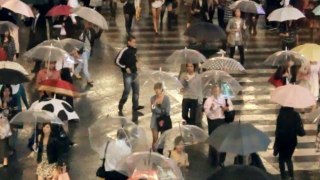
{"x":205,"y":32}
{"x":10,"y":76}
{"x":240,"y":172}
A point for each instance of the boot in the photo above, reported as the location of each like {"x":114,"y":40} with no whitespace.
{"x":161,"y":19}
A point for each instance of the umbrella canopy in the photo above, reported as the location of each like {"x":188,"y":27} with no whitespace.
{"x":229,"y":86}
{"x":19,"y":7}
{"x":310,"y":51}
{"x":316,"y":11}
{"x":46,"y":53}
{"x":60,"y":10}
{"x":205,"y":32}
{"x":58,"y":107}
{"x":239,"y":138}
{"x":191,"y":135}
{"x":68,"y":44}
{"x":13,"y":66}
{"x":224,"y":64}
{"x":248,"y":6}
{"x":281,"y":57}
{"x":104,"y":130}
{"x":34,"y":117}
{"x":10,"y":76}
{"x":185,"y":56}
{"x":148,"y":78}
{"x":149,"y":164}
{"x":91,"y":16}
{"x":241,"y":172}
{"x":7,"y":26}
{"x":293,"y":96}
{"x":285,"y":14}
{"x":58,"y":87}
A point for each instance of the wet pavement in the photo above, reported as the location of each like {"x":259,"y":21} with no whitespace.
{"x":252,"y":105}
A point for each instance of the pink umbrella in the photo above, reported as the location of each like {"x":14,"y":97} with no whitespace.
{"x":17,"y":6}
{"x":293,"y":96}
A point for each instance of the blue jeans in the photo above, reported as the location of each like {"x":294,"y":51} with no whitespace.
{"x":84,"y":66}
{"x":130,"y":81}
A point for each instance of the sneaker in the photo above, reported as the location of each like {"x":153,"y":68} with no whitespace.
{"x":120,"y":113}
{"x":138,"y":108}
{"x":138,"y":113}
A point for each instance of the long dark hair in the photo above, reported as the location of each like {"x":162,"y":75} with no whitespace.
{"x":3,"y":36}
{"x":7,"y":86}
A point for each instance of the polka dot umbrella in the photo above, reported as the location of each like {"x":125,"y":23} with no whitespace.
{"x":60,"y":108}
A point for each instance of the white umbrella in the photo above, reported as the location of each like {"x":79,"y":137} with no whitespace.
{"x":92,"y":16}
{"x":286,"y":14}
{"x":293,"y":96}
{"x":316,"y":11}
{"x":19,"y":7}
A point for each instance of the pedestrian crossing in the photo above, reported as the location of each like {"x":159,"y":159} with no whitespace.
{"x":252,"y":105}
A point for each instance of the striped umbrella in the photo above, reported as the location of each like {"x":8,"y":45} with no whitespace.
{"x":59,"y":87}
{"x":223,"y":63}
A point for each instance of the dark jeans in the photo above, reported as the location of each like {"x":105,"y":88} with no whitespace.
{"x":130,"y":81}
{"x":221,"y":18}
{"x":241,"y":53}
{"x":215,"y":157}
{"x":285,"y":157}
{"x":189,"y":105}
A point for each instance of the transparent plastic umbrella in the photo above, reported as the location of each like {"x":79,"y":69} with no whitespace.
{"x":91,"y":16}
{"x":35,"y":116}
{"x":281,"y":57}
{"x":67,"y":44}
{"x":103,"y":130}
{"x":239,"y":138}
{"x":148,"y":78}
{"x":149,"y":165}
{"x":185,"y":56}
{"x":229,"y":86}
{"x":191,"y":135}
{"x":46,"y":53}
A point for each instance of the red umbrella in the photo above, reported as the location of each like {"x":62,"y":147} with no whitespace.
{"x":60,"y":10}
{"x":59,"y":87}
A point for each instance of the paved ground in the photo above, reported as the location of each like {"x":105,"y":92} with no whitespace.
{"x":253,"y":105}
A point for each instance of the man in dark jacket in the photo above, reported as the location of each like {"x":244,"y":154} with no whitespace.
{"x":38,"y":33}
{"x":127,"y":61}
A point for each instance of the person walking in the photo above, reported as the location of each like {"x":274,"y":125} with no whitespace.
{"x":168,"y":5}
{"x":129,"y":10}
{"x":288,"y":126}
{"x":192,"y":93}
{"x":160,"y":105}
{"x":314,"y":79}
{"x":127,"y":61}
{"x":5,"y":133}
{"x":156,"y":8}
{"x":8,"y":44}
{"x":235,"y":30}
{"x":214,"y":108}
{"x":87,"y":38}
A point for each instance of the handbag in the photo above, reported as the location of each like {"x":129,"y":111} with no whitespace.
{"x":229,"y":115}
{"x":101,"y":171}
{"x":164,"y":123}
{"x":275,"y":82}
{"x":301,"y":132}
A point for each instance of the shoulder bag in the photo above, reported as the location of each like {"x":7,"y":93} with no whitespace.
{"x":101,"y":172}
{"x":229,"y":115}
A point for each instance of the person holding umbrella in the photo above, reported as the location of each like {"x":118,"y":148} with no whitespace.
{"x":5,"y":133}
{"x":235,"y":29}
{"x":48,"y":72}
{"x":289,"y":125}
{"x":129,"y":10}
{"x":178,"y":154}
{"x":214,"y":108}
{"x":7,"y":42}
{"x":289,"y":35}
{"x":192,"y":96}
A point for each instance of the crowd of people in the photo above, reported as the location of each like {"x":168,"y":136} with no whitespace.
{"x":50,"y":142}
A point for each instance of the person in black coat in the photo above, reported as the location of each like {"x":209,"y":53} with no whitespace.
{"x":199,"y":10}
{"x":38,"y":33}
{"x":289,"y":125}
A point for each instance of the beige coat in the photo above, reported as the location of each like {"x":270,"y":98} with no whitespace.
{"x":232,"y":25}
